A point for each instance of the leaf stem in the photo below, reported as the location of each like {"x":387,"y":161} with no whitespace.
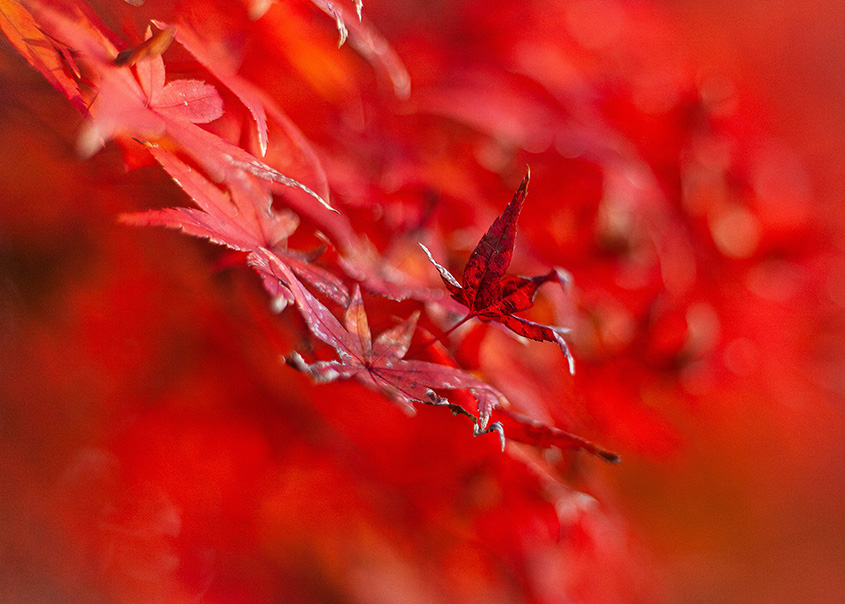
{"x":431,"y":341}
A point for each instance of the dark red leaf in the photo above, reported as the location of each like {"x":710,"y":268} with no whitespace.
{"x":492,"y":256}
{"x":491,"y":295}
{"x":525,"y":430}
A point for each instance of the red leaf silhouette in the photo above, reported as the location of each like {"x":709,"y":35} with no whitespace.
{"x":490,"y":294}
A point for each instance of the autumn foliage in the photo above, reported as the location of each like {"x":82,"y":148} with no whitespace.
{"x":310,"y":406}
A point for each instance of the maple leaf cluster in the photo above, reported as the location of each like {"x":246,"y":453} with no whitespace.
{"x":275,"y":468}
{"x":142,"y":107}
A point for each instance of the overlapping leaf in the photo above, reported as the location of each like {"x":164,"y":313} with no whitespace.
{"x":144,"y":108}
{"x":491,"y":295}
{"x":225,"y":73}
{"x":244,"y":220}
{"x":379,"y":363}
{"x":234,"y":208}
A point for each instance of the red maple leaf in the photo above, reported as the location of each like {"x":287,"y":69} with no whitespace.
{"x":186,"y":100}
{"x":490,"y":294}
{"x":243,"y":220}
{"x":141,"y":105}
{"x":379,"y":363}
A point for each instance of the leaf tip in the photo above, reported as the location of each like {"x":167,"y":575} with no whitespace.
{"x":565,"y":349}
{"x":295,"y":360}
{"x":523,"y":186}
{"x":609,"y":457}
{"x":564,"y":277}
{"x":494,"y":427}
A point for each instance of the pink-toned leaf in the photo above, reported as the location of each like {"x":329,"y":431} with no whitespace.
{"x":244,"y":221}
{"x":204,"y":193}
{"x":357,"y":324}
{"x":322,"y":372}
{"x":120,"y":108}
{"x":413,"y":376}
{"x":222,"y":69}
{"x":393,"y":344}
{"x":325,"y":282}
{"x":191,"y":222}
{"x":188,"y":100}
{"x":151,"y":71}
{"x":280,"y":293}
{"x":225,"y":161}
{"x":256,"y":214}
{"x":255,"y":100}
{"x":322,"y":323}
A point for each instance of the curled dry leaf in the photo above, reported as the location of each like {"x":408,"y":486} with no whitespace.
{"x":154,"y":46}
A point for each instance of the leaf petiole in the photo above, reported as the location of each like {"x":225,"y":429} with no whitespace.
{"x":439,"y":338}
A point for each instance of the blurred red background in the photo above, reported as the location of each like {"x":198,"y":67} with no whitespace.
{"x":153,"y":449}
{"x":787,"y":456}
